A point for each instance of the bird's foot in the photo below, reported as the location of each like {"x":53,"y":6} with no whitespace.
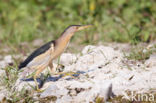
{"x":39,"y":90}
{"x":64,"y":74}
{"x":37,"y":87}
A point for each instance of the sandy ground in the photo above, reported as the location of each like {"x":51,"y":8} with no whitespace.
{"x":100,"y":71}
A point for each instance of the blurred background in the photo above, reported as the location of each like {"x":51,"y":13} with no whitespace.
{"x":126,"y":21}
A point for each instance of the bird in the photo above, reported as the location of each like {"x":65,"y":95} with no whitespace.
{"x":44,"y":56}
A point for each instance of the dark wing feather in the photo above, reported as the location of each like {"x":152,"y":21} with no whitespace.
{"x":36,"y":53}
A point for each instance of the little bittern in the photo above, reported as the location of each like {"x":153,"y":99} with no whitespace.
{"x":43,"y":56}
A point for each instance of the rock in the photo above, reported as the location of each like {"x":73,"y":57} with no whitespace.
{"x":72,"y":92}
{"x":53,"y":90}
{"x":68,"y":59}
{"x":101,"y":72}
{"x":65,"y":99}
{"x":3,"y":94}
{"x":93,"y":57}
{"x":50,"y":91}
{"x":19,"y":85}
{"x":151,"y":62}
{"x":2,"y":73}
{"x":75,"y":91}
{"x":8,"y":59}
{"x":3,"y":64}
{"x":103,"y":89}
{"x":77,"y":84}
{"x":106,"y":90}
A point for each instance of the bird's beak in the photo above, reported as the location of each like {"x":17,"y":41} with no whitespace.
{"x":84,"y":27}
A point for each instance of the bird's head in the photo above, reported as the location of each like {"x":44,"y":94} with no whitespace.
{"x":74,"y":28}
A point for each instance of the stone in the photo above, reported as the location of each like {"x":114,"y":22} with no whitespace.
{"x":102,"y":72}
{"x":3,"y":64}
{"x":151,"y":62}
{"x":53,"y":90}
{"x":19,"y":85}
{"x":68,"y":59}
{"x":8,"y":59}
{"x":65,"y":99}
{"x":72,"y":92}
{"x":3,"y":94}
{"x":2,"y":73}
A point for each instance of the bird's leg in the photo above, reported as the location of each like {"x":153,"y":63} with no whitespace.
{"x":40,"y":69}
{"x":51,"y":68}
{"x":61,"y":73}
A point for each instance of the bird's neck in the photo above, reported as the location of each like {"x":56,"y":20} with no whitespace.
{"x":61,"y":44}
{"x":65,"y":38}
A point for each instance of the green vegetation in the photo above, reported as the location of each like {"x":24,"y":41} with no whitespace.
{"x":141,"y":53}
{"x":130,"y":21}
{"x":8,"y":81}
{"x":11,"y":75}
{"x":99,"y":100}
{"x":24,"y":96}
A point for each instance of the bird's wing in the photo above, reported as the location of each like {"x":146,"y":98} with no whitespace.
{"x":41,"y":54}
{"x":42,"y":59}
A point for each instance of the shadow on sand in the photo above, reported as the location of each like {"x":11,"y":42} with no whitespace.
{"x":43,"y":80}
